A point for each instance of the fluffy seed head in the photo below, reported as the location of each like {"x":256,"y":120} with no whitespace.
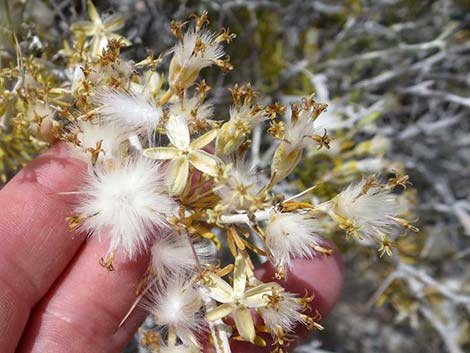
{"x":194,"y":52}
{"x":177,"y":304}
{"x":247,"y":114}
{"x":291,"y":235}
{"x":286,"y":315}
{"x":187,"y":55}
{"x":241,"y":187}
{"x":369,"y":211}
{"x":125,"y":203}
{"x":242,"y":120}
{"x":172,"y":255}
{"x":298,"y":132}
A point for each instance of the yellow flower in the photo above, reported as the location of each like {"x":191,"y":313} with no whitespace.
{"x":237,"y":300}
{"x":184,"y":153}
{"x":101,"y":31}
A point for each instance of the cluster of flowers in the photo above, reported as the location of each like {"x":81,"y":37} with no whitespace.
{"x":165,"y":177}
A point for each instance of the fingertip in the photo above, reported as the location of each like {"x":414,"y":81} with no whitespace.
{"x":56,"y":170}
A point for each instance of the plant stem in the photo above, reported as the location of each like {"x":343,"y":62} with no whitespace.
{"x":262,"y":215}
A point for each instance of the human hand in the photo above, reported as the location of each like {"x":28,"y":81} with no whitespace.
{"x":54,"y":297}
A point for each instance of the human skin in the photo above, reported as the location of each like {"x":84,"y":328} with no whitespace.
{"x":55,"y":297}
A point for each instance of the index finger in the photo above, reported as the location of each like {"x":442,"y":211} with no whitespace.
{"x":35,"y":243}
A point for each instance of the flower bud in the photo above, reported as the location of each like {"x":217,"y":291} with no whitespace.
{"x":229,"y":139}
{"x":182,"y":77}
{"x":284,"y":161}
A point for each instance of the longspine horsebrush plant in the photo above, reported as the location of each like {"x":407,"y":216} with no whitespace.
{"x":165,"y":177}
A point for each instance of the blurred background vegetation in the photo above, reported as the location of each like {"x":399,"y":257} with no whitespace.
{"x":394,"y":72}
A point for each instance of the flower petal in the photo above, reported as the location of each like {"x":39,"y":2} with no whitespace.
{"x":220,"y":312}
{"x":257,"y":297}
{"x":113,"y":23}
{"x":219,"y":290}
{"x":244,"y":323}
{"x":93,"y":13}
{"x":85,"y":27}
{"x":204,"y":140}
{"x":161,"y":152}
{"x":178,"y":172}
{"x":178,"y":131}
{"x":205,"y":162}
{"x":239,"y":276}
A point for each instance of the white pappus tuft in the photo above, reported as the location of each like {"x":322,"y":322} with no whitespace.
{"x":291,"y":235}
{"x":172,"y":255}
{"x":368,"y":211}
{"x":286,"y":314}
{"x":109,"y":136}
{"x":134,"y":110}
{"x":176,"y":304}
{"x":125,"y":202}
{"x":248,"y":115}
{"x":193,"y":110}
{"x":195,"y":51}
{"x":241,"y":187}
{"x":186,"y":55}
{"x":298,"y":132}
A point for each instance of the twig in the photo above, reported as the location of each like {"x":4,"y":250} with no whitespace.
{"x":446,"y":334}
{"x":426,"y":279}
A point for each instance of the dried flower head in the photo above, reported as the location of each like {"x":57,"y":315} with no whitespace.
{"x":196,"y":50}
{"x":242,"y":120}
{"x":291,"y":235}
{"x":197,"y":113}
{"x":176,"y":305}
{"x":284,"y":312}
{"x":172,"y":255}
{"x":366,"y":210}
{"x":242,"y":189}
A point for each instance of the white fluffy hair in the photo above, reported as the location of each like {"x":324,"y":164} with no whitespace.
{"x":126,"y":203}
{"x":176,"y":304}
{"x":291,"y":235}
{"x":90,"y":133}
{"x":205,"y":111}
{"x":371,"y":212}
{"x":240,"y":175}
{"x":172,"y":255}
{"x":131,"y":109}
{"x":286,"y":316}
{"x":244,"y":112}
{"x":184,"y":51}
{"x":297,"y":132}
